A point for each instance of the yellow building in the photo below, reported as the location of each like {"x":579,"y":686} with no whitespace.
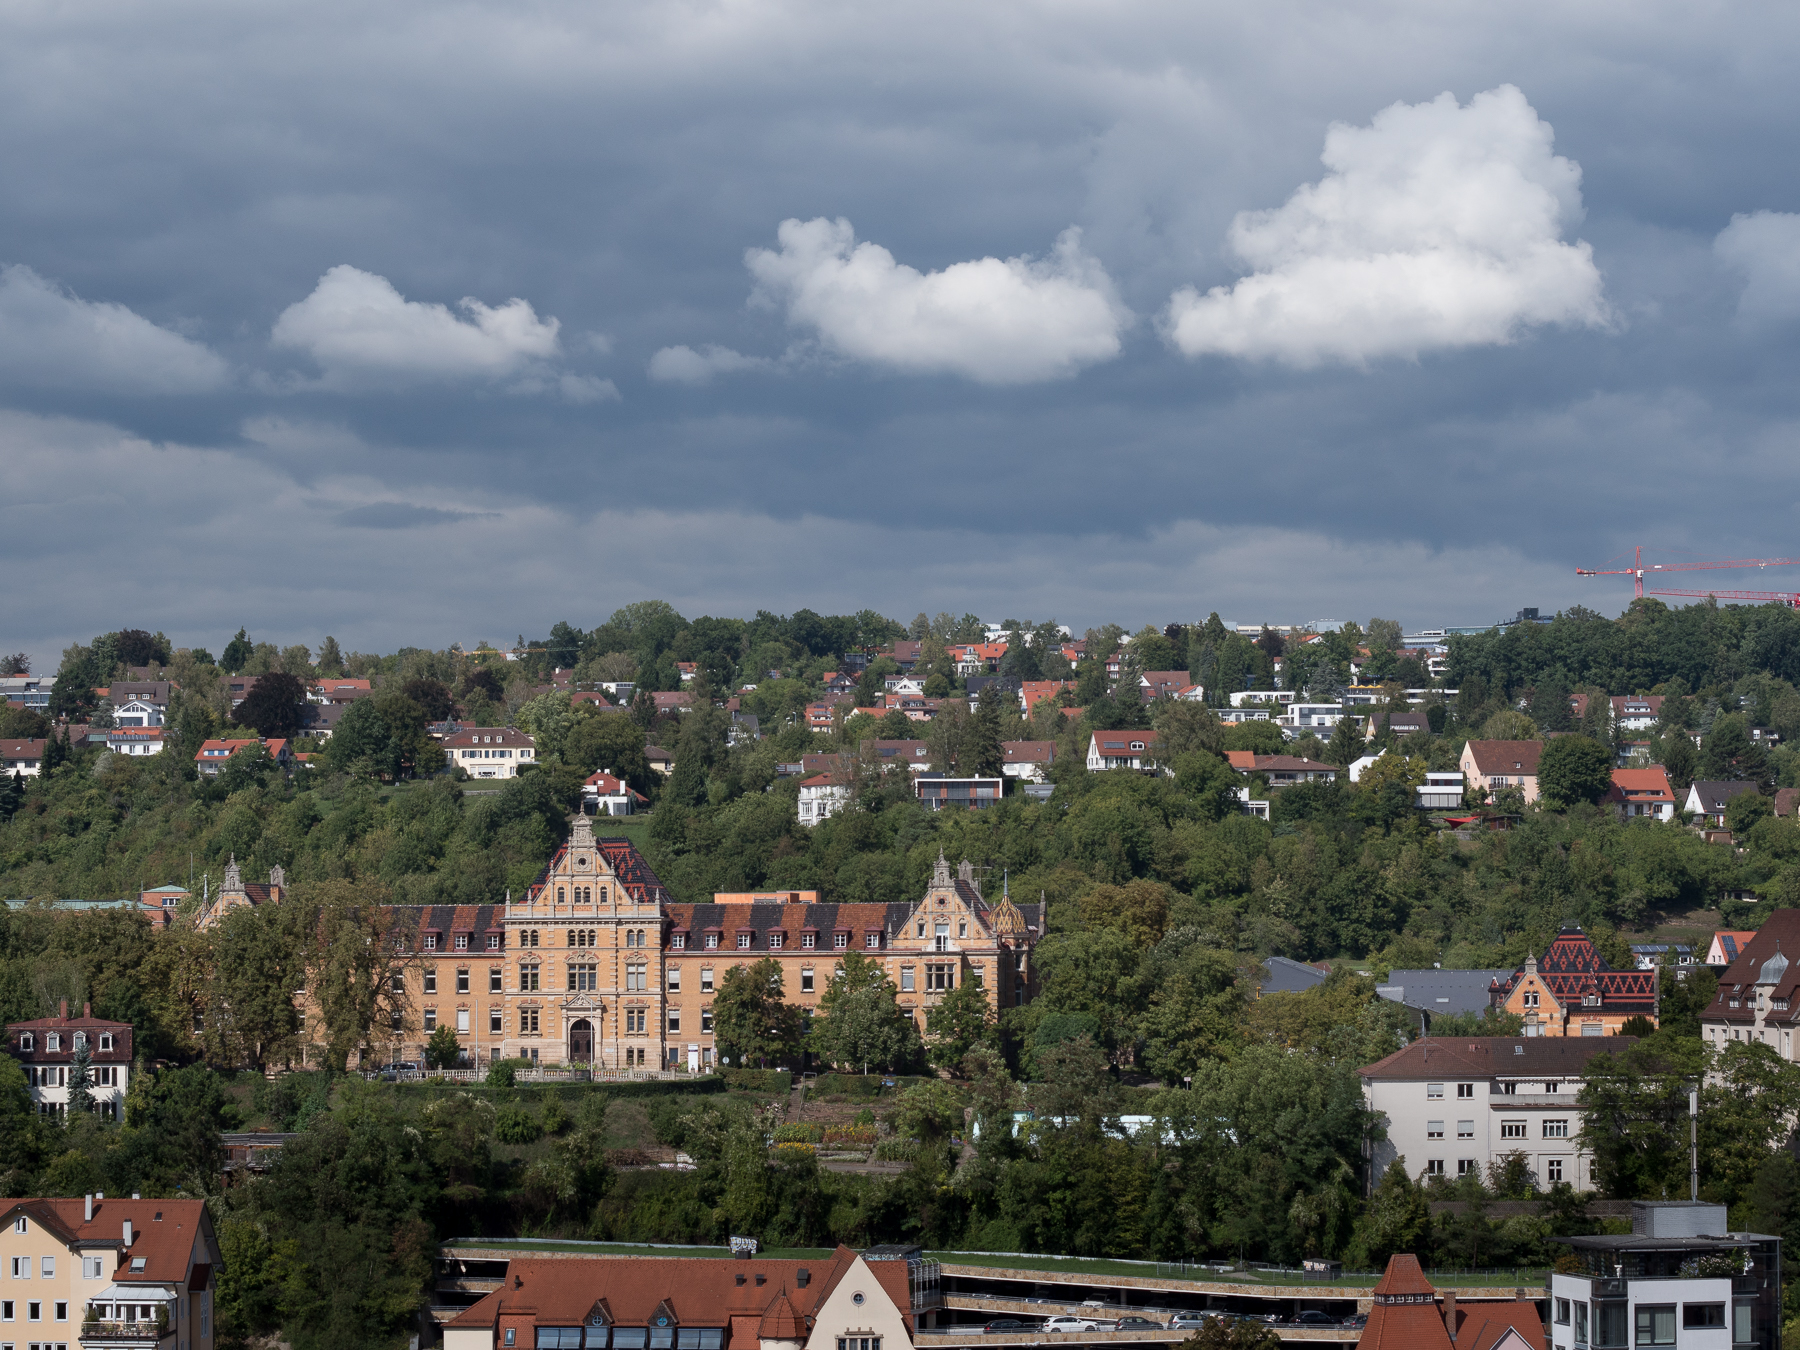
{"x":596,"y":965}
{"x":142,"y":1270}
{"x":1572,"y":991}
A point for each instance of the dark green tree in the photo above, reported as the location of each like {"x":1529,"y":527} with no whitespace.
{"x":442,"y":1050}
{"x":859,"y":1022}
{"x":1346,"y":744}
{"x":1573,"y":769}
{"x":962,"y":1020}
{"x":752,"y":1022}
{"x":237,"y":652}
{"x":272,"y":706}
{"x":81,"y":1077}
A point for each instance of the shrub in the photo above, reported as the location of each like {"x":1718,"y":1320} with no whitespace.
{"x":513,"y":1124}
{"x":502,"y":1073}
{"x":758,"y":1080}
{"x":555,"y":1119}
{"x":799,"y":1134}
{"x":896,"y":1150}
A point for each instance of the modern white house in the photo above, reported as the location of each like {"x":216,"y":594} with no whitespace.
{"x":1453,"y":1105}
{"x":1680,"y":1278}
{"x":822,"y":796}
{"x":145,"y":739}
{"x":490,"y":752}
{"x":1441,"y":791}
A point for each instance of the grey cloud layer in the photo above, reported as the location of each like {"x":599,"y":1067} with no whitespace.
{"x":200,"y":169}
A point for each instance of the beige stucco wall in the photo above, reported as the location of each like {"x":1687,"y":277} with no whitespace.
{"x":841,"y":1315}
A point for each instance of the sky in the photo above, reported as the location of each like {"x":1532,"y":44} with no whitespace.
{"x":423,"y":323}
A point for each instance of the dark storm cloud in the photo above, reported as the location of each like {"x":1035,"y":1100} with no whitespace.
{"x":341,"y":261}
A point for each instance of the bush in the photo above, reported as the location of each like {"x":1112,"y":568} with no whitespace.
{"x":555,"y":1119}
{"x":513,"y":1124}
{"x":896,"y":1150}
{"x":758,"y":1080}
{"x":799,"y":1134}
{"x":850,"y":1136}
{"x":502,"y":1073}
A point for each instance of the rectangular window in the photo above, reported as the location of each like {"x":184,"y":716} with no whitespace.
{"x":6,"y":1310}
{"x":462,"y":942}
{"x":808,"y":941}
{"x":1656,"y":1324}
{"x":494,"y":983}
{"x":495,"y":1026}
{"x":1553,"y":1169}
{"x":91,"y":1268}
{"x":1512,"y":1129}
{"x":21,"y":1266}
{"x":706,"y":1023}
{"x":806,"y":980}
{"x":397,"y":983}
{"x":431,"y":982}
{"x":706,"y":980}
{"x":1696,"y":1316}
{"x":528,"y":1021}
{"x":674,"y":979}
{"x":1465,"y":1129}
{"x":493,"y":944}
{"x":1562,"y":1312}
{"x":462,"y":1021}
{"x":462,"y":981}
{"x":1581,"y":1320}
{"x":431,"y":942}
{"x":62,"y":1312}
{"x":528,"y":978}
{"x":431,"y":1019}
{"x":674,"y":1021}
{"x":34,"y":1312}
{"x":744,"y":940}
{"x":840,"y":941}
{"x":1465,"y":1089}
{"x":776,"y":939}
{"x":871,"y":940}
{"x":1433,"y":1091}
{"x":1556,"y":1129}
{"x":1464,"y":1166}
{"x":1434,"y":1167}
{"x":906,"y":979}
{"x":712,"y":942}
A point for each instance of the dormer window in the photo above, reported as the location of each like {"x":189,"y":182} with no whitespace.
{"x":25,"y":1041}
{"x":106,"y":1036}
{"x":52,"y":1041}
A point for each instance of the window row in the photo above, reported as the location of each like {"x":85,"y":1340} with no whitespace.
{"x":53,"y":1041}
{"x":493,"y":942}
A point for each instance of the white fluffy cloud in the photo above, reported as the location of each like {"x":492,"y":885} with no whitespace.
{"x":52,"y":338}
{"x":685,"y":365}
{"x":1765,"y":248}
{"x":363,"y":332}
{"x":1437,"y":226}
{"x":997,"y":322}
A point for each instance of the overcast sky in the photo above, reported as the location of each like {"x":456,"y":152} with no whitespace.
{"x":416,"y":323}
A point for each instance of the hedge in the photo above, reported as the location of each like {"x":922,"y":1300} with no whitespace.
{"x":568,"y":1092}
{"x":757,"y":1080}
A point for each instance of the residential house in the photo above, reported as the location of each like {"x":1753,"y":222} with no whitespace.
{"x":660,"y":759}
{"x":1785,"y":798}
{"x":236,"y":893}
{"x":1635,"y":712}
{"x":1010,"y":686}
{"x":1034,"y":692}
{"x":823,"y":796}
{"x":1248,"y":713}
{"x":1155,"y":684}
{"x":1267,"y":697}
{"x":1573,"y":992}
{"x":1281,"y":975}
{"x":144,"y":1270}
{"x":1407,"y":1314}
{"x":1441,"y":791}
{"x":1121,"y":750}
{"x":938,"y":790}
{"x":1495,"y":765}
{"x":1759,"y":993}
{"x":490,"y":752}
{"x":609,"y":795}
{"x":214,"y":754}
{"x":1316,"y":717}
{"x":1632,"y":754}
{"x":1282,"y":770}
{"x":45,"y":1049}
{"x":903,"y":684}
{"x":140,"y":703}
{"x":136,"y":740}
{"x":1637,"y":793}
{"x":27,"y":691}
{"x":1027,"y":760}
{"x":320,"y":720}
{"x":161,"y":904}
{"x":1452,"y":1106}
{"x":1707,"y":802}
{"x":1359,"y":766}
{"x":1679,"y":1278}
{"x":1725,"y":948}
{"x":675,"y":703}
{"x":906,"y":654}
{"x":845,"y":1301}
{"x":915,"y":755}
{"x":1656,"y":955}
{"x":238,"y":687}
{"x":1398,"y":724}
{"x":688,"y":670}
{"x":976,"y":658}
{"x":839,"y":682}
{"x":340,"y":689}
{"x":23,"y":757}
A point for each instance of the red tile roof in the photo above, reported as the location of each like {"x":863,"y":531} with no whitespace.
{"x":1405,"y":1314}
{"x":1641,"y":785}
{"x":1029,"y":752}
{"x":171,"y":1237}
{"x":1506,"y":757}
{"x":1482,"y":1326}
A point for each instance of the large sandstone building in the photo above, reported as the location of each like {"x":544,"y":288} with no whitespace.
{"x":597,"y":965}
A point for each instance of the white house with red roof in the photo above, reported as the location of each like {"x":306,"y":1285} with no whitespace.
{"x":1642,"y":793}
{"x":214,"y":754}
{"x":609,"y":795}
{"x":23,"y":757}
{"x":1121,"y":750}
{"x":823,"y":796}
{"x":1027,"y":760}
{"x":136,"y":740}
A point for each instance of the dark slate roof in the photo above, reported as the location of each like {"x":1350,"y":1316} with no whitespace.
{"x":446,"y":919}
{"x":761,"y":918}
{"x":1442,"y":991}
{"x":1572,"y":968}
{"x":626,"y":862}
{"x":1779,"y":932}
{"x":1715,"y":796}
{"x":1290,"y":977}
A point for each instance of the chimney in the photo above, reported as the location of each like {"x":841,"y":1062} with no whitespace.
{"x":87,"y":1010}
{"x":87,"y":1210}
{"x":128,"y":1232}
{"x":62,"y":1010}
{"x":1450,"y":1314}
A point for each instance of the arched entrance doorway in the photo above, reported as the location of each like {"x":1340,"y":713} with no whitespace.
{"x":581,"y":1041}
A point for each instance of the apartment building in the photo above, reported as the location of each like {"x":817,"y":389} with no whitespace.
{"x":596,"y":965}
{"x":1759,"y":993}
{"x":144,"y":1269}
{"x":1453,"y":1105}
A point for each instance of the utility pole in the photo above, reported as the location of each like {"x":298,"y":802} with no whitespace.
{"x":1694,"y":1142}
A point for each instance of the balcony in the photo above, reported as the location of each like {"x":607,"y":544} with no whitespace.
{"x":126,"y":1335}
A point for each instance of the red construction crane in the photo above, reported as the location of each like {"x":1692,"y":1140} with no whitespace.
{"x":1637,"y":569}
{"x":1785,"y":597}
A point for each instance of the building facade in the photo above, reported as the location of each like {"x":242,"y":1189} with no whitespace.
{"x":1496,"y":765}
{"x":146,"y":1269}
{"x":596,"y":965}
{"x":490,"y":752}
{"x":1572,"y":991}
{"x":1759,"y":993}
{"x":46,"y":1049}
{"x":1454,"y":1105}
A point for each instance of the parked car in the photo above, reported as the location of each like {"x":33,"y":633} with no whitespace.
{"x":1093,"y":1303}
{"x":1010,"y":1325}
{"x":1069,"y":1322}
{"x":1135,"y":1323}
{"x":1312,"y":1317}
{"x":1354,"y":1322}
{"x":1189,"y":1321}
